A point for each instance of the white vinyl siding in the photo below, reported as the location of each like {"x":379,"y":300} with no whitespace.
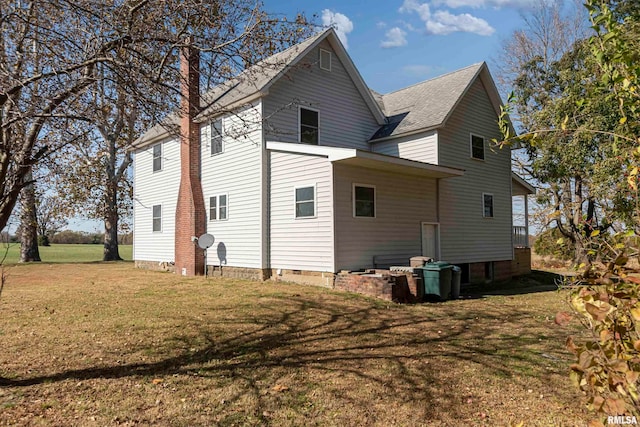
{"x":300,"y":243}
{"x":236,"y":173}
{"x":345,"y":119}
{"x":403,"y":203}
{"x":466,"y":235}
{"x":422,"y":147}
{"x":154,"y":188}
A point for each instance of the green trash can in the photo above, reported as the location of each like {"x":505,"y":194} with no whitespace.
{"x":456,"y":274}
{"x":436,"y":277}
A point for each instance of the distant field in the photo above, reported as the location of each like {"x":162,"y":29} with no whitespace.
{"x":63,"y":253}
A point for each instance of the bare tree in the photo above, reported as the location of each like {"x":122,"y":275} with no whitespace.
{"x":51,"y":52}
{"x":549,"y":31}
{"x":51,"y":216}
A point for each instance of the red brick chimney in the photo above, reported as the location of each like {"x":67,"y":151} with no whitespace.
{"x":190,"y":209}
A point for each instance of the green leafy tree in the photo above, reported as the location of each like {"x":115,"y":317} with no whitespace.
{"x":607,"y":107}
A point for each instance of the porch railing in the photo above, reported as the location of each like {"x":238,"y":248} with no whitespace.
{"x":520,"y":237}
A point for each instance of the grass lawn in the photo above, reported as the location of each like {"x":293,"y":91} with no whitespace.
{"x":106,"y":344}
{"x":64,"y":253}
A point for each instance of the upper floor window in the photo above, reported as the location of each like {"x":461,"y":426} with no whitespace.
{"x":218,"y":207}
{"x":217,"y":146}
{"x":364,"y":201}
{"x":157,"y":157}
{"x":325,"y":60}
{"x":308,"y":126}
{"x":487,"y":205}
{"x":306,"y":202}
{"x":157,"y":218}
{"x":477,"y":147}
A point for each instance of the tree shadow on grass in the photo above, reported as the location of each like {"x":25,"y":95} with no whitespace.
{"x":393,"y":350}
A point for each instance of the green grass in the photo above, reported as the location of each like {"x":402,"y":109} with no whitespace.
{"x":105,"y":344}
{"x":59,"y":253}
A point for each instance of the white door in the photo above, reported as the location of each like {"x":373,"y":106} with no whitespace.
{"x":430,"y":240}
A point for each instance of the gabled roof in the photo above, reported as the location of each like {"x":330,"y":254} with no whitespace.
{"x":428,"y":105}
{"x":255,"y":82}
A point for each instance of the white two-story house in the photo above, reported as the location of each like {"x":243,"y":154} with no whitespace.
{"x":300,"y":171}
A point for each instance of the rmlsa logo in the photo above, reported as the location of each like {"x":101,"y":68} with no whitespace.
{"x":622,"y":420}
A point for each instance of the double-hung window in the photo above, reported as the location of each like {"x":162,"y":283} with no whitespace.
{"x":157,"y":157}
{"x":487,"y":205}
{"x":309,"y":126}
{"x":217,"y":143}
{"x":305,"y":201}
{"x":218,"y":206}
{"x":364,"y":201}
{"x":477,"y":147}
{"x":157,"y":218}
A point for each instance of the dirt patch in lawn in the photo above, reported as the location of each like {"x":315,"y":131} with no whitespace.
{"x":106,"y":344}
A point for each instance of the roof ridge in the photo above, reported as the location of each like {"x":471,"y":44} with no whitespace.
{"x":435,"y":78}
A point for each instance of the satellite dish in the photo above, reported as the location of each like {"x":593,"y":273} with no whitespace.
{"x":205,"y":241}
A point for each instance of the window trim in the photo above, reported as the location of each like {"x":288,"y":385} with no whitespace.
{"x":493,"y":213}
{"x":153,"y":218}
{"x":300,"y":108}
{"x":321,"y":51}
{"x":484,"y":140}
{"x":211,"y":153}
{"x":375,"y":199}
{"x":315,"y":200}
{"x":217,"y":208}
{"x":153,"y":157}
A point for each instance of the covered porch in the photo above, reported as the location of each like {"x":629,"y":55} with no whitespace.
{"x":520,"y":190}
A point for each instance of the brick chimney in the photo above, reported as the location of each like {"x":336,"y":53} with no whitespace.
{"x":190,"y":209}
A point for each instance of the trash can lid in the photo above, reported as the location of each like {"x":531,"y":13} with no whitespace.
{"x":437,"y":266}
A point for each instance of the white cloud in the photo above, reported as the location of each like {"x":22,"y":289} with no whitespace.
{"x":443,"y":22}
{"x":518,"y":4}
{"x":395,"y":37}
{"x":446,"y":23}
{"x":423,"y":9}
{"x":381,"y":24}
{"x":341,"y":23}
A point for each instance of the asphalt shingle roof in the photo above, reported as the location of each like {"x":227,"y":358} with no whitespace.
{"x":424,"y":105}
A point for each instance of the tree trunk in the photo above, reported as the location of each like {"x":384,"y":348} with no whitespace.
{"x":28,"y":223}
{"x":111,"y":252}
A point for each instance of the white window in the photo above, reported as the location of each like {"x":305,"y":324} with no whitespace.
{"x":305,"y":201}
{"x":217,"y":145}
{"x":364,"y":201}
{"x":157,"y":218}
{"x":325,"y":60}
{"x":477,"y":147}
{"x":157,"y":157}
{"x":218,"y":207}
{"x":308,"y":126}
{"x":487,"y":205}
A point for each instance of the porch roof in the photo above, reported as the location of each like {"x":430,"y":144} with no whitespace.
{"x":368,"y":159}
{"x":520,"y":187}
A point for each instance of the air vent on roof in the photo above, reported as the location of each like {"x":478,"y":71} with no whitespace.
{"x":325,"y":60}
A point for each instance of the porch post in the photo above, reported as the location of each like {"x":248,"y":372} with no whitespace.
{"x":526,"y":220}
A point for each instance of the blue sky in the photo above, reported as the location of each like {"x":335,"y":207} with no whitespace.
{"x":396,"y":43}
